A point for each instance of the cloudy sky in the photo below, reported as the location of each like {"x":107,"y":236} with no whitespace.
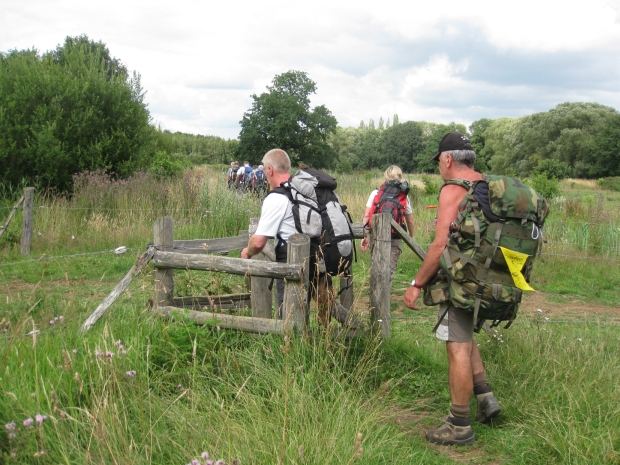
{"x":438,"y":60}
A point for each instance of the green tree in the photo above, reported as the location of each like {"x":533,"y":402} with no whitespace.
{"x":69,"y":110}
{"x":402,"y":145}
{"x":282,"y":117}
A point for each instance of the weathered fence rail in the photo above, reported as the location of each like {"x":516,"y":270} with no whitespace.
{"x":168,"y":254}
{"x":240,"y":266}
{"x":171,"y":255}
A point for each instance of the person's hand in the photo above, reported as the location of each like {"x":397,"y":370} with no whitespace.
{"x":411,"y":295}
{"x":244,"y":253}
{"x":364,"y":244}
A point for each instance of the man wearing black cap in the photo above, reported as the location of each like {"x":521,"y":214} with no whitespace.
{"x":455,"y":159}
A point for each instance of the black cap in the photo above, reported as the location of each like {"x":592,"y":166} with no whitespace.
{"x":453,"y":141}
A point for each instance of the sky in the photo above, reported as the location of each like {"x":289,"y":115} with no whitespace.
{"x":442,"y":61}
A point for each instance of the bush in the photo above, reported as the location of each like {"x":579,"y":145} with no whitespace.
{"x":430,"y":186}
{"x":547,"y":187}
{"x":552,"y":168}
{"x":611,"y":183}
{"x":70,"y":110}
{"x":165,"y":165}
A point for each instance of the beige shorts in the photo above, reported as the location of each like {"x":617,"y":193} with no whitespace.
{"x":456,"y":326}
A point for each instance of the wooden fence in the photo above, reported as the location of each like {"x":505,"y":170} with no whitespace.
{"x":168,"y":254}
{"x":26,"y":201}
{"x":171,"y":254}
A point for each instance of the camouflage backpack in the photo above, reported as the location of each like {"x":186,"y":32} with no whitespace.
{"x":491,"y":249}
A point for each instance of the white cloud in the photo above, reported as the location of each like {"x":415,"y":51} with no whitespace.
{"x":436,"y":61}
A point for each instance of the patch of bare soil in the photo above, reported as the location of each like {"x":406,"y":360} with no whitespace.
{"x":571,"y":309}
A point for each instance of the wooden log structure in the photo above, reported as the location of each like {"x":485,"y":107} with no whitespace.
{"x":221,"y":302}
{"x":380,"y":275}
{"x":123,"y":284}
{"x":240,"y":266}
{"x":244,"y":323}
{"x":5,"y":226}
{"x":261,"y":288}
{"x":164,"y":278}
{"x":295,"y":307}
{"x":211,"y":246}
{"x":26,"y":239}
{"x":419,"y":251}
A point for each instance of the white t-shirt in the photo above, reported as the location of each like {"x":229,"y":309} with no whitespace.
{"x":276,"y":216}
{"x":371,"y":199}
{"x":241,"y":171}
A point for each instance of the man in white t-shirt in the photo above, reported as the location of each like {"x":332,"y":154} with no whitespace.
{"x":276,"y":221}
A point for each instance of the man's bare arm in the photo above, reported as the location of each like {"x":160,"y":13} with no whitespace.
{"x":255,"y":245}
{"x":449,"y":200}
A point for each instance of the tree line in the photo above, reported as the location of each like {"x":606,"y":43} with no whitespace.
{"x":76,"y":109}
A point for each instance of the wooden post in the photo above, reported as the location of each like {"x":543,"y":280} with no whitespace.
{"x":380,"y":275}
{"x":295,"y":308}
{"x":261,"y":296}
{"x":27,"y":221}
{"x":123,"y":284}
{"x":164,"y":280}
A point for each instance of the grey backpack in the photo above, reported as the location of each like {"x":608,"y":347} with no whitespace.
{"x":318,"y":213}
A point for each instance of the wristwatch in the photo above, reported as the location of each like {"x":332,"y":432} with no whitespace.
{"x":413,"y":283}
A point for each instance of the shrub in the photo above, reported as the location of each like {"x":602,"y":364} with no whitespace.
{"x":70,"y":110}
{"x":164,"y":165}
{"x":611,"y":183}
{"x":547,"y":187}
{"x":430,"y":186}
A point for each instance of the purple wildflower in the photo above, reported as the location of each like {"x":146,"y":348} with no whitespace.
{"x":28,"y":422}
{"x":195,"y":462}
{"x":11,"y":427}
{"x":39,"y":419}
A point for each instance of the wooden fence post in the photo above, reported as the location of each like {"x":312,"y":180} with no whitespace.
{"x":164,"y":278}
{"x":27,"y":221}
{"x":380,"y":275}
{"x":261,"y":296}
{"x":295,"y":308}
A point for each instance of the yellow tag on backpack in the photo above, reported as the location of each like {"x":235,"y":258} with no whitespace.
{"x":515,"y":261}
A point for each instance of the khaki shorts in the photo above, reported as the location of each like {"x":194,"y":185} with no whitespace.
{"x":457,"y":325}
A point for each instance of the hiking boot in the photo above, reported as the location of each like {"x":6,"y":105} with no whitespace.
{"x":488,"y":407}
{"x":448,"y":434}
{"x":345,"y":317}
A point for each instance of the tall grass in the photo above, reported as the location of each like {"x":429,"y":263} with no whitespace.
{"x":137,"y":389}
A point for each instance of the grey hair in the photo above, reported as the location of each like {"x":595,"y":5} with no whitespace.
{"x":464,"y":157}
{"x":278,"y":159}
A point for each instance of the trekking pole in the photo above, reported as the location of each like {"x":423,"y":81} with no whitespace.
{"x":419,"y":251}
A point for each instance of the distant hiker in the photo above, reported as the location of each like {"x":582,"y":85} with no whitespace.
{"x":279,"y":214}
{"x":231,"y":174}
{"x":259,"y":181}
{"x":240,"y":174}
{"x":391,"y":196}
{"x":482,"y":222}
{"x":244,"y":175}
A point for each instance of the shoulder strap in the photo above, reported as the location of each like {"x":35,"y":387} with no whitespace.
{"x":283,"y":189}
{"x":464,"y":183}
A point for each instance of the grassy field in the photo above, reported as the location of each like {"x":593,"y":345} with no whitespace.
{"x":141,"y":390}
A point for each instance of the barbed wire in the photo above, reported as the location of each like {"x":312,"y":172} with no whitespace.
{"x":44,"y":257}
